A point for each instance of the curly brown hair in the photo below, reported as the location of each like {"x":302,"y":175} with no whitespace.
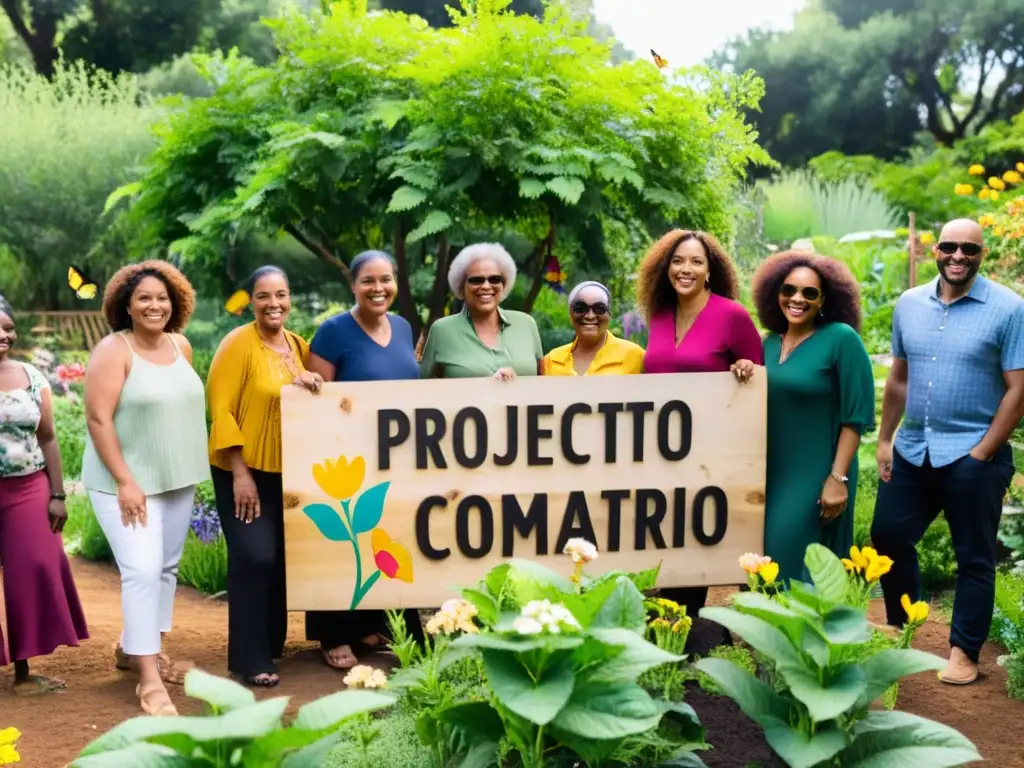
{"x":838,"y":287}
{"x":118,"y":294}
{"x":654,"y":293}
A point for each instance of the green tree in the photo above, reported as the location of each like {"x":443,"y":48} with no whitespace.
{"x":380,"y":131}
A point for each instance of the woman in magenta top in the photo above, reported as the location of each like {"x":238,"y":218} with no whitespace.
{"x":686,"y":289}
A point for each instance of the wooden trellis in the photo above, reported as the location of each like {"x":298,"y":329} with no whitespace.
{"x":69,"y":326}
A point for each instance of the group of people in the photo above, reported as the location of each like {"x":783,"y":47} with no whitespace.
{"x":957,"y":375}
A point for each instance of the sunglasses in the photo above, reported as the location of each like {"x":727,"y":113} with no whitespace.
{"x":491,"y":279}
{"x":809,"y":292}
{"x":581,"y":308}
{"x":949,"y":247}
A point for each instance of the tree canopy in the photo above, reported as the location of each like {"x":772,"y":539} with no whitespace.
{"x":376,"y":130}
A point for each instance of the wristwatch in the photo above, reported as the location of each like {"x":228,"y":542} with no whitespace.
{"x":841,"y":478}
{"x":57,"y":496}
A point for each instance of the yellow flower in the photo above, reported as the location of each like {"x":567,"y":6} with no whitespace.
{"x":340,"y":480}
{"x":682,"y":625}
{"x":9,"y":755}
{"x":769,"y":572}
{"x":391,"y":558}
{"x":878,"y":567}
{"x":660,"y":623}
{"x":927,"y":238}
{"x":998,"y":231}
{"x":963,"y":189}
{"x":994,"y":196}
{"x":858,"y":559}
{"x":9,"y":735}
{"x":987,"y":220}
{"x":976,"y":170}
{"x":1020,"y":167}
{"x":984,"y":193}
{"x":916,"y":612}
{"x":1012,"y":177}
{"x":996,"y":183}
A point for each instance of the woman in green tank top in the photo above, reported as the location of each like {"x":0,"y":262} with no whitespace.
{"x":145,"y":453}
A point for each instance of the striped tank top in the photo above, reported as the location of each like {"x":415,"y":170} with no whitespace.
{"x":160,"y":421}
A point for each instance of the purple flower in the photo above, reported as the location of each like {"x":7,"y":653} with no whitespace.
{"x":633,"y":324}
{"x":205,"y":523}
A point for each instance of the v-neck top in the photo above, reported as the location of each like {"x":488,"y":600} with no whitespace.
{"x":343,"y":343}
{"x":721,"y":334}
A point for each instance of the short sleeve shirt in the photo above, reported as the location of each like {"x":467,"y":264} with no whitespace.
{"x":20,"y":412}
{"x":454,"y":351}
{"x":356,"y":357}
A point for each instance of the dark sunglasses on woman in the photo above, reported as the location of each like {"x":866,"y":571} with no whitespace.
{"x":949,"y":247}
{"x":491,"y":279}
{"x":581,"y":308}
{"x":809,"y":292}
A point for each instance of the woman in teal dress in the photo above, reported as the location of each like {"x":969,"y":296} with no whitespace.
{"x":821,"y":400}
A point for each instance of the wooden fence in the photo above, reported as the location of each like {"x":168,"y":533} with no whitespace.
{"x":71,"y":327}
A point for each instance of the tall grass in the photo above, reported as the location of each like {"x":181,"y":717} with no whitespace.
{"x":798,"y":205}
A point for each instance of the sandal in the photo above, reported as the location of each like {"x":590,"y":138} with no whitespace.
{"x":261,"y":679}
{"x":331,"y":657}
{"x":172,"y":672}
{"x":36,"y":685}
{"x":166,"y":709}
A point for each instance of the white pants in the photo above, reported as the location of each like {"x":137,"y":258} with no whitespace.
{"x":148,"y":560}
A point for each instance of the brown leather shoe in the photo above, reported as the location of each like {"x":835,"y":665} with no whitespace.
{"x":960,"y":670}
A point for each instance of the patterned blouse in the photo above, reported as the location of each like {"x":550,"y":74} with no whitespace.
{"x":20,"y":453}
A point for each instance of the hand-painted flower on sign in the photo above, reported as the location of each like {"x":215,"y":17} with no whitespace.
{"x":341,"y":480}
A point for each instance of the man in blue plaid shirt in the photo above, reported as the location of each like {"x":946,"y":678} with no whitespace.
{"x":957,"y":381}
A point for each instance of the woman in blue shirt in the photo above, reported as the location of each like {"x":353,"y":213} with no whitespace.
{"x":366,"y":343}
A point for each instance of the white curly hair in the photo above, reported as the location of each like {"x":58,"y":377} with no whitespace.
{"x":479,"y":252}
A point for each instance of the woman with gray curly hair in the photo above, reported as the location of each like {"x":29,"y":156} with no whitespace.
{"x":483,"y":339}
{"x":595,"y":351}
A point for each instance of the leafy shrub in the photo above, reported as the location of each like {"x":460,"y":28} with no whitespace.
{"x":69,"y":421}
{"x":82,"y":533}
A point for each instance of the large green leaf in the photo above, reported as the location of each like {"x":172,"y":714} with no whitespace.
{"x":531,"y":189}
{"x":218,"y":692}
{"x":312,"y":754}
{"x":799,"y":751}
{"x":757,"y":633}
{"x":330,"y":710}
{"x":389,"y":112}
{"x":540,"y":573}
{"x":624,"y":608}
{"x":405,"y":199}
{"x":518,"y":643}
{"x":684,"y":760}
{"x":119,"y":194}
{"x":537,"y":700}
{"x":609,"y":711}
{"x":789,"y":621}
{"x":827,"y":572}
{"x":567,"y":188}
{"x":433,"y":222}
{"x":900,"y":740}
{"x":845,"y":624}
{"x":886,"y":667}
{"x":636,"y":657}
{"x":476,"y":719}
{"x":757,"y":700}
{"x":249,"y":722}
{"x":482,"y":755}
{"x":486,"y":605}
{"x":139,"y":755}
{"x":829,"y":700}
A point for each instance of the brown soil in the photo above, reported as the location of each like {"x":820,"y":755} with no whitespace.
{"x":55,"y":728}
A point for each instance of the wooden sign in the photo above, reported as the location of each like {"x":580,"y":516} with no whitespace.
{"x":398,"y":491}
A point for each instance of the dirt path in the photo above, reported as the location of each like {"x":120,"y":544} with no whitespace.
{"x":55,"y":728}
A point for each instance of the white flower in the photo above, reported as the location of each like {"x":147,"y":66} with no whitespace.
{"x":455,"y":616}
{"x":525,"y":625}
{"x":377,"y":679}
{"x":580,"y":550}
{"x":358,"y":676}
{"x":542,"y":616}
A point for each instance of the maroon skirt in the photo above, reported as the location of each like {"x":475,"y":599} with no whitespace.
{"x":41,"y":602}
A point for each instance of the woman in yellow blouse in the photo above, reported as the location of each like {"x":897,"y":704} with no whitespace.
{"x":595,"y":352}
{"x":243,"y":390}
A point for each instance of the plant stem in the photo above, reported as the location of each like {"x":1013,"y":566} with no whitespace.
{"x":357,"y":592}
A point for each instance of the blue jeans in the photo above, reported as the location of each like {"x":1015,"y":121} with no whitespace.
{"x":970,"y":494}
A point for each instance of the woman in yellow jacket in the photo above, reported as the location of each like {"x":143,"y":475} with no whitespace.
{"x":243,"y":389}
{"x":595,"y":351}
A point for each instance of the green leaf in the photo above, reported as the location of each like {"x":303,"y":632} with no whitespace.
{"x":218,"y":692}
{"x":537,"y":700}
{"x":757,"y":699}
{"x":609,"y":711}
{"x":541,"y":573}
{"x":756,"y":632}
{"x":886,"y":667}
{"x":324,"y":139}
{"x":328,"y":711}
{"x":898,"y":739}
{"x":665,"y":197}
{"x":495,"y":581}
{"x":476,"y":719}
{"x":845,"y":624}
{"x":799,"y":751}
{"x":637,"y":656}
{"x":568,"y":189}
{"x":119,"y":194}
{"x":517,"y":643}
{"x":370,"y":508}
{"x":419,"y":175}
{"x":828,"y":701}
{"x":405,"y":199}
{"x":486,"y":606}
{"x":388,"y":111}
{"x":327,"y":521}
{"x":827,"y":572}
{"x":482,"y":755}
{"x":531,"y":189}
{"x":646,"y":580}
{"x":791,"y":622}
{"x":312,"y":754}
{"x":624,"y":608}
{"x":805,"y":594}
{"x":684,"y":760}
{"x":139,"y":755}
{"x":434,"y":222}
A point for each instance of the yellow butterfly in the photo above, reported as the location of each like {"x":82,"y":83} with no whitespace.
{"x":659,"y":62}
{"x":237,"y":302}
{"x":83,"y":287}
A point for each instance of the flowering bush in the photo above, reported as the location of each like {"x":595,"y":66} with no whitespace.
{"x":818,"y":712}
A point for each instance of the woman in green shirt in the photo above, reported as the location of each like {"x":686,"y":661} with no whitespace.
{"x":482,"y":339}
{"x":821,"y":399}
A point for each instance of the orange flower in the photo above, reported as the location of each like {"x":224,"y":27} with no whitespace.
{"x":340,"y":480}
{"x":391,"y":558}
